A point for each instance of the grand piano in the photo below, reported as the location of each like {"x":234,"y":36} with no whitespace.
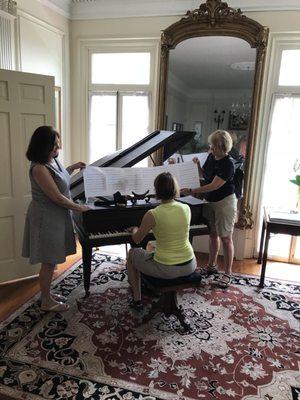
{"x":107,"y":224}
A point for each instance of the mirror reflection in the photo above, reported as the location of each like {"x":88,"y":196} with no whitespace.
{"x":210,"y":83}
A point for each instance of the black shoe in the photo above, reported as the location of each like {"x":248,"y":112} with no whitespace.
{"x":209,"y":270}
{"x":137,"y":305}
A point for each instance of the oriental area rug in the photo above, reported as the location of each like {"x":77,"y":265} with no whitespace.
{"x":244,"y":343}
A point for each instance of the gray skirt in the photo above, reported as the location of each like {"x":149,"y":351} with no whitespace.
{"x":48,"y":234}
{"x":144,"y":262}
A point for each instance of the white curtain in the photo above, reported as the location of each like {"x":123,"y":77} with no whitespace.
{"x":283,"y":152}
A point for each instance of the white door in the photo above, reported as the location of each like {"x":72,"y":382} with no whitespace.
{"x":26,"y":102}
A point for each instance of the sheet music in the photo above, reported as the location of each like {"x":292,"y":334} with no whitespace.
{"x":107,"y":181}
{"x":179,"y":158}
{"x":201,"y":157}
{"x":191,"y":200}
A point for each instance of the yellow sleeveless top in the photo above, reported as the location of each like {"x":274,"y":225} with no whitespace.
{"x":171,"y":231}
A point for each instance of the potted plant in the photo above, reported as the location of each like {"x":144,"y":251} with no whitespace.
{"x":296,"y":181}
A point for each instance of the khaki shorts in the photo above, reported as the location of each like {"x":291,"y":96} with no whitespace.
{"x":221,"y":215}
{"x":144,"y":262}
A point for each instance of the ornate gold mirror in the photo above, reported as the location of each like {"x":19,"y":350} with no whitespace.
{"x":210,"y":77}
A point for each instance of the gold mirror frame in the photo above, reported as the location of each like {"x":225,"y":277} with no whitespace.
{"x":215,"y":18}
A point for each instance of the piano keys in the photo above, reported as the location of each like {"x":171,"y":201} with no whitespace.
{"x":107,"y":225}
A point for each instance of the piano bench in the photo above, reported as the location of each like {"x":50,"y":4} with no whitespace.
{"x":166,"y":290}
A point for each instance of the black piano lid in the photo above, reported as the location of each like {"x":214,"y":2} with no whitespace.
{"x":170,"y":141}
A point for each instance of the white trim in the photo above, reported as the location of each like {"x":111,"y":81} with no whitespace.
{"x":18,"y":45}
{"x":102,"y":9}
{"x":60,"y":10}
{"x":85,"y":48}
{"x":6,"y":15}
{"x":46,"y":25}
{"x":271,"y":89}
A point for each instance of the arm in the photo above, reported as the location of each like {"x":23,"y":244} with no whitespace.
{"x":80,"y":165}
{"x":148,"y":222}
{"x":214,"y":185}
{"x":200,"y":170}
{"x":45,"y":181}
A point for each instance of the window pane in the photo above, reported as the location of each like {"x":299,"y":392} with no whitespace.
{"x":121,"y":68}
{"x":289,"y":68}
{"x":279,"y":245}
{"x":135,"y":119}
{"x":283,"y":153}
{"x":102,"y":126}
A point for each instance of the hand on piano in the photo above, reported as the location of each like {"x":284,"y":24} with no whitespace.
{"x":80,"y":165}
{"x":185,"y":192}
{"x":132,"y":229}
{"x":84,"y":208}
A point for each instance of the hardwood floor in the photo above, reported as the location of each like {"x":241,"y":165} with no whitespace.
{"x":14,"y":295}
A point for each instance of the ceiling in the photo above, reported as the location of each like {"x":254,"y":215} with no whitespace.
{"x":204,"y":63}
{"x":92,"y":9}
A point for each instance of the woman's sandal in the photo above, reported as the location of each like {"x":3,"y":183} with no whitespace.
{"x":209,"y":270}
{"x":59,"y":307}
{"x":55,"y":297}
{"x":224,"y":281}
{"x":58,"y":297}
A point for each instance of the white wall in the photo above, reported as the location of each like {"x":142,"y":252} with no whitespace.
{"x":43,"y":44}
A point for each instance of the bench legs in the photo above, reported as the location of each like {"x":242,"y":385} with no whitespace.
{"x":168,"y":305}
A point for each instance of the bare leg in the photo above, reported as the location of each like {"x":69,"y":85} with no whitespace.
{"x":134,"y":277}
{"x":228,"y":251}
{"x":46,"y":274}
{"x":214,"y":247}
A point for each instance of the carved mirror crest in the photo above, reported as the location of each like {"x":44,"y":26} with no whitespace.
{"x":210,"y":78}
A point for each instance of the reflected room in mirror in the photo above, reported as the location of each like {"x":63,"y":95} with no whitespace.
{"x":210,"y":85}
{"x":211,"y":70}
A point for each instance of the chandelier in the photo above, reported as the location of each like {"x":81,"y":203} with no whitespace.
{"x":240,"y":114}
{"x":9,"y":6}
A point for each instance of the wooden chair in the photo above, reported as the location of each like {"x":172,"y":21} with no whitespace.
{"x":166,"y":289}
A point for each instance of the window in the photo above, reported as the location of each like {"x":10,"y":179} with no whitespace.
{"x":289,"y":68}
{"x":120,"y":101}
{"x":103,"y":125}
{"x":121,"y":68}
{"x":284,"y":151}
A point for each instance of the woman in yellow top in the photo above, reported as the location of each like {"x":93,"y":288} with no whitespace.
{"x":170,"y":222}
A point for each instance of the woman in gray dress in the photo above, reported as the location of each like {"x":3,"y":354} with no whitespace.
{"x":48,"y":234}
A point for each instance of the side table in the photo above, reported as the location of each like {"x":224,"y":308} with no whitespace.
{"x":275,"y":222}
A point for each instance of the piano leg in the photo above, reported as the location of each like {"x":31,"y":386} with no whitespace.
{"x":87,"y":259}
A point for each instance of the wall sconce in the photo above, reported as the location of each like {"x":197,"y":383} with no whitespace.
{"x":219,"y":117}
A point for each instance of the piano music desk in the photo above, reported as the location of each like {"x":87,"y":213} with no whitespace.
{"x":272,"y":226}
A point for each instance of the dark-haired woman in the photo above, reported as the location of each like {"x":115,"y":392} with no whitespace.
{"x":170,"y":222}
{"x":48,"y":234}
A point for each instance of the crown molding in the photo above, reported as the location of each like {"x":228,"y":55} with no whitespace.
{"x":62,"y":7}
{"x":104,"y":9}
